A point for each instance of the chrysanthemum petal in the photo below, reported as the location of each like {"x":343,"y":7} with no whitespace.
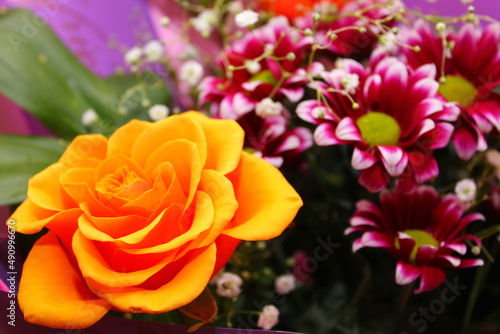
{"x":406,"y":273}
{"x":362,"y":159}
{"x":431,"y":278}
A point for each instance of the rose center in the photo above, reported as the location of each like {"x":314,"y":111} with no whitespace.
{"x":458,"y":89}
{"x":123,"y":183}
{"x":379,"y":129}
{"x":421,"y":238}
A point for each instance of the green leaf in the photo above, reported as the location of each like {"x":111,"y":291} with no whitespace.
{"x":21,"y":157}
{"x":131,"y":91}
{"x":41,"y":75}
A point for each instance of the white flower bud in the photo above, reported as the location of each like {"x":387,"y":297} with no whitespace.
{"x":89,"y":117}
{"x":269,"y":317}
{"x":246,"y":18}
{"x":252,"y":66}
{"x":158,"y":112}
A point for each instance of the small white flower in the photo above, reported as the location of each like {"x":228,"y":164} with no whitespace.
{"x":350,"y":82}
{"x":133,"y":56}
{"x":191,"y":72}
{"x":269,"y":317}
{"x":158,"y":112}
{"x":267,"y":108}
{"x":466,"y":190}
{"x":89,"y":117}
{"x":285,"y":284}
{"x":205,"y":22}
{"x":229,"y":285}
{"x":252,"y":66}
{"x":388,"y":42}
{"x":246,"y":18}
{"x":154,"y":51}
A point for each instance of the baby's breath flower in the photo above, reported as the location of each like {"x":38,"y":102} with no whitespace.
{"x":229,"y":285}
{"x":205,"y":22}
{"x":246,"y":18}
{"x":268,"y":108}
{"x":158,"y":112}
{"x":269,"y":317}
{"x":89,"y":117}
{"x":350,"y":82}
{"x":154,"y":51}
{"x":466,"y":190}
{"x":133,"y":56}
{"x":191,"y":72}
{"x":285,"y":284}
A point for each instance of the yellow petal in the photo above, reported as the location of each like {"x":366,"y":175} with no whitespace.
{"x":224,"y":141}
{"x":52,"y":292}
{"x":267,"y":202}
{"x":168,"y":129}
{"x":188,"y":280}
{"x":183,"y":156}
{"x":46,"y":191}
{"x":84,"y":151}
{"x":94,"y":266}
{"x":221,"y":191}
{"x":122,"y":140}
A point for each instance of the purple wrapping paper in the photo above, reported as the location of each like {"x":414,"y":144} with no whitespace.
{"x":99,"y":32}
{"x":107,"y":325}
{"x":455,"y":7}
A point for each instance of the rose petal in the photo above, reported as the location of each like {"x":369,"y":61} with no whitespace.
{"x":46,"y":191}
{"x":171,"y":128}
{"x":189,"y":280}
{"x":52,"y":293}
{"x":122,"y":140}
{"x":268,"y":203}
{"x":225,"y":140}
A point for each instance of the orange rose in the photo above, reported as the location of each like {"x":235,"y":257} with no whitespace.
{"x":295,"y":8}
{"x":141,"y":221}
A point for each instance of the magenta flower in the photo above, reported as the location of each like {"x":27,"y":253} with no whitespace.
{"x":472,"y":72}
{"x":274,"y":141}
{"x":422,"y":230}
{"x":392,"y":116}
{"x":347,"y":42}
{"x":266,"y":62}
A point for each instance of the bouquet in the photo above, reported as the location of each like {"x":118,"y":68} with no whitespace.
{"x":309,"y":166}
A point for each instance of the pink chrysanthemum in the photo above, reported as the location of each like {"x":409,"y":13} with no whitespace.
{"x":472,"y":72}
{"x":273,"y":141}
{"x":266,"y":62}
{"x":394,"y":120}
{"x":347,"y":41}
{"x":422,"y":230}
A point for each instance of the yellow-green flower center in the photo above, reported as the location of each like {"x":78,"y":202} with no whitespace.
{"x":379,"y":129}
{"x":458,"y":89}
{"x":421,"y":238}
